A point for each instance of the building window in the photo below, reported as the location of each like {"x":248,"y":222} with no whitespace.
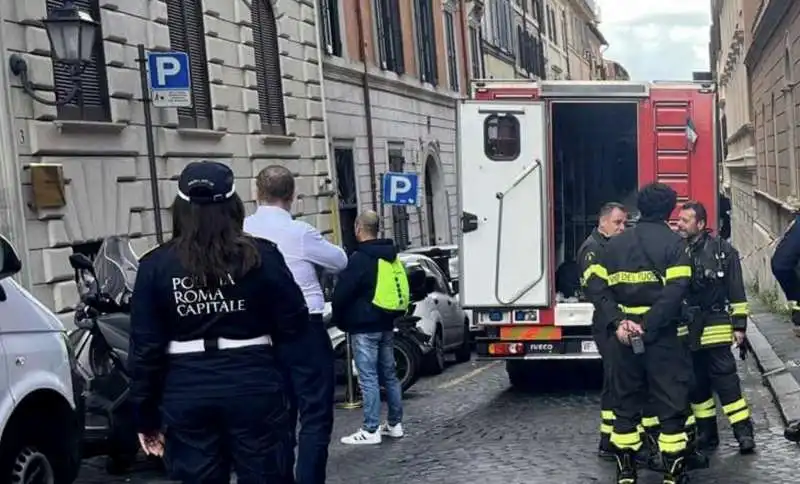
{"x":552,"y":34}
{"x":506,"y":33}
{"x":537,"y":10}
{"x":450,"y":39}
{"x":521,"y":47}
{"x":564,"y":31}
{"x":399,"y":214}
{"x":187,"y":34}
{"x":426,"y":41}
{"x":476,"y":52}
{"x":268,"y":68}
{"x":390,"y":35}
{"x":329,"y":25}
{"x":91,"y":103}
{"x":348,"y":195}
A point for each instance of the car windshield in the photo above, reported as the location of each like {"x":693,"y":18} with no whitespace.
{"x":116,"y":265}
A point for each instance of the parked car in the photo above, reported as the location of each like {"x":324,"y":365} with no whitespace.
{"x":446,"y":257}
{"x":41,"y":419}
{"x":441,"y":315}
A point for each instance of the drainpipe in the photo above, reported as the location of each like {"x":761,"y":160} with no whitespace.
{"x":362,"y":54}
{"x":540,"y":54}
{"x":464,"y":48}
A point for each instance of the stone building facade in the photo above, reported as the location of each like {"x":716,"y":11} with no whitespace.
{"x":394,"y":72}
{"x":764,"y":188}
{"x":257,"y":101}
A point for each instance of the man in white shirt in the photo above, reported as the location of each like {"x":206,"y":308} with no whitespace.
{"x":310,"y":358}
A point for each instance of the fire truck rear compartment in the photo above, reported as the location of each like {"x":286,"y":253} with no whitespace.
{"x":594,"y":149}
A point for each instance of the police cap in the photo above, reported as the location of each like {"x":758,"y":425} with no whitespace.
{"x":204,"y":182}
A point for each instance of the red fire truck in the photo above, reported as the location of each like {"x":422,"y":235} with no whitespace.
{"x":536,"y":162}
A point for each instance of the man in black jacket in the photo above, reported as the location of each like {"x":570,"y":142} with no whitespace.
{"x":370,"y":294}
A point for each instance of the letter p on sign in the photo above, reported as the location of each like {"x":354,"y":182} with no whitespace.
{"x":400,"y":188}
{"x":166,"y":67}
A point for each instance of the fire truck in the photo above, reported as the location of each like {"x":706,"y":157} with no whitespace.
{"x":537,"y":160}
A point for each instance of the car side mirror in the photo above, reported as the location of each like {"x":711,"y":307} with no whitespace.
{"x":430,"y":285}
{"x":454,"y":286}
{"x":10,"y":263}
{"x":80,"y":262}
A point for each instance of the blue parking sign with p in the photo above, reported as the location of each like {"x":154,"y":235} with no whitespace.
{"x":400,"y":188}
{"x":170,"y":79}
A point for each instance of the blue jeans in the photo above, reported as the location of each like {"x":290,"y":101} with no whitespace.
{"x":374,"y":358}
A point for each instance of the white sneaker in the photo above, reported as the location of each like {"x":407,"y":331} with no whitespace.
{"x":362,"y":437}
{"x":394,"y":431}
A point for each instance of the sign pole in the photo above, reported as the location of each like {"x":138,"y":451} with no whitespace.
{"x":383,"y":206}
{"x":350,"y":402}
{"x":151,"y":147}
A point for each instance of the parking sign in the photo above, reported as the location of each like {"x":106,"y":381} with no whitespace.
{"x":400,"y":188}
{"x":170,"y":79}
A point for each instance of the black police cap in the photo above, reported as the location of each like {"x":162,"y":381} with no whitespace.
{"x":204,"y":182}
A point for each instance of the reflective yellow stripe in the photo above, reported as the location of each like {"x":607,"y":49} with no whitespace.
{"x":642,"y":277}
{"x":676,"y":272}
{"x":683,"y":331}
{"x":596,"y":270}
{"x":793,"y":305}
{"x":740,"y":309}
{"x":606,"y":429}
{"x":722,"y":333}
{"x":632,"y":441}
{"x":737,"y":411}
{"x":672,"y":443}
{"x":607,"y":415}
{"x":691,"y":421}
{"x":639,"y":310}
{"x":706,"y":409}
{"x":650,"y":422}
{"x":640,"y":429}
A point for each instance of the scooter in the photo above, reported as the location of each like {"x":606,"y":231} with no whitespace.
{"x":100,"y":342}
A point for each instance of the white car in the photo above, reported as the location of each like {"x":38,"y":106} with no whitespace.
{"x":442,"y":317}
{"x":40,"y":423}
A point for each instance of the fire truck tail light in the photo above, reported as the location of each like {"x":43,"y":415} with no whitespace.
{"x":502,"y":349}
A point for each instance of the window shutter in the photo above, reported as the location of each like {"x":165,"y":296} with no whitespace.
{"x":268,"y":68}
{"x":400,"y":216}
{"x":398,"y":62}
{"x":187,"y":34}
{"x":91,"y":103}
{"x":452,"y":63}
{"x":380,"y":24}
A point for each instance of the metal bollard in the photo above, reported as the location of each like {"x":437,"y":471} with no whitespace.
{"x":350,"y":401}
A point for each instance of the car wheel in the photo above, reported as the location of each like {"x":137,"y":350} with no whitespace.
{"x":464,"y":352}
{"x":407,"y":361}
{"x":436,"y":363}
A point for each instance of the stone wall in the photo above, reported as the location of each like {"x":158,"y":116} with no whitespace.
{"x":105,"y":164}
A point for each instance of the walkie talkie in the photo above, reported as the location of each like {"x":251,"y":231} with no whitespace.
{"x":637,"y":344}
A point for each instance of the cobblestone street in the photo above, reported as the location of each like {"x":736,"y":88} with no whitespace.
{"x":468,"y":426}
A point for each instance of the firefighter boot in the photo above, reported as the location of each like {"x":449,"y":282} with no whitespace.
{"x":605,"y":450}
{"x":707,"y":434}
{"x":792,"y":431}
{"x":649,"y":455}
{"x":743,"y":431}
{"x":626,"y":467}
{"x":675,"y":469}
{"x":796,"y":318}
{"x":694,"y":458}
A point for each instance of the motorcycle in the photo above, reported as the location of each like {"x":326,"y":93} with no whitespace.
{"x":100,"y":341}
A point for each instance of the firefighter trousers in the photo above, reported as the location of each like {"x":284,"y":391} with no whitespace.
{"x":715,"y":372}
{"x":603,"y":341}
{"x":640,"y":380}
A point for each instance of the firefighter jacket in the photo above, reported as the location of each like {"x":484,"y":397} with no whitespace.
{"x":587,"y":255}
{"x":642,"y":275}
{"x":785,"y":262}
{"x":717,"y":304}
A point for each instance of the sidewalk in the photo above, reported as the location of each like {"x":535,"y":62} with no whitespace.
{"x":777,"y":352}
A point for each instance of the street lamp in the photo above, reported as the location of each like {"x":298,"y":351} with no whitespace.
{"x":71,"y":32}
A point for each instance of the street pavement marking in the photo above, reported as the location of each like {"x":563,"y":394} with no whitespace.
{"x":463,"y":378}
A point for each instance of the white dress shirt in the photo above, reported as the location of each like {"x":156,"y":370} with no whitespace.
{"x":302,"y":246}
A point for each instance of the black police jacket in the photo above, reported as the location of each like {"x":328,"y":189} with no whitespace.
{"x":643,"y":275}
{"x":717,"y":282}
{"x":169,"y":305}
{"x":587,"y":255}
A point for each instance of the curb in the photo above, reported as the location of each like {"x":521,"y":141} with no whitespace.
{"x":781,"y":383}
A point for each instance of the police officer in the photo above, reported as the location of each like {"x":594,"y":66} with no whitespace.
{"x":638,"y":284}
{"x":716,"y":316}
{"x":784,"y":267}
{"x":610,"y":223}
{"x":207,"y":309}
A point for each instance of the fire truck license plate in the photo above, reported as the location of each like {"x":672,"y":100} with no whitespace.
{"x":588,"y":347}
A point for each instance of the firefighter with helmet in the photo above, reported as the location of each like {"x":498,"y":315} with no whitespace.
{"x":638,"y":284}
{"x":716,"y":315}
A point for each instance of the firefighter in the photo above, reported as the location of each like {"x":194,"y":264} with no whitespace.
{"x":716,"y":316}
{"x":784,"y":267}
{"x":637,"y":285}
{"x":611,"y":222}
